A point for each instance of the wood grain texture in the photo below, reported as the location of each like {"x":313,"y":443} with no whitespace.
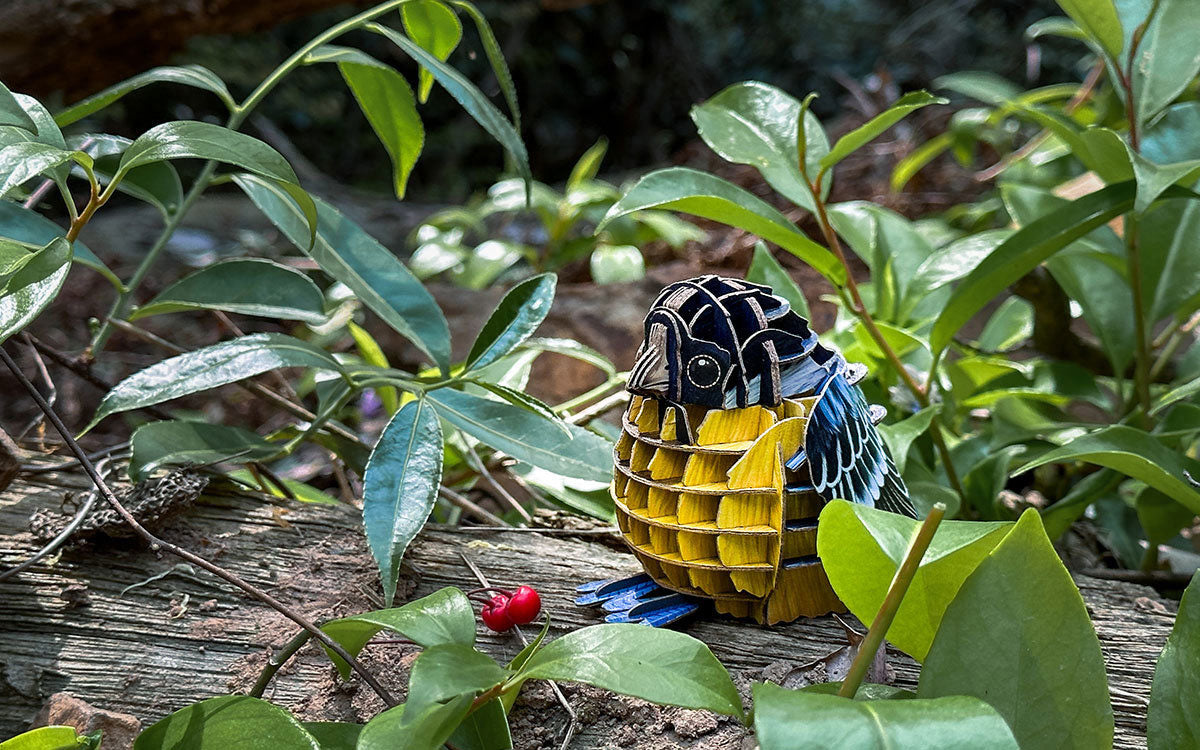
{"x":67,"y":625}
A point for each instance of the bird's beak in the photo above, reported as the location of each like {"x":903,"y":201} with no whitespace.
{"x":649,"y":375}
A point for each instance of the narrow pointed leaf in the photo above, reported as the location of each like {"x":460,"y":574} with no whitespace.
{"x":246,"y":286}
{"x":467,"y":95}
{"x":873,"y":128}
{"x":1018,"y":636}
{"x":491,"y":48}
{"x":190,"y":139}
{"x":401,"y":486}
{"x":210,"y":367}
{"x":1099,"y":19}
{"x":21,"y":162}
{"x":12,"y":113}
{"x":515,"y":319}
{"x":1166,"y":60}
{"x":187,"y":75}
{"x":1133,"y":453}
{"x":709,"y":196}
{"x":526,"y":436}
{"x":436,"y":28}
{"x":375,"y":275}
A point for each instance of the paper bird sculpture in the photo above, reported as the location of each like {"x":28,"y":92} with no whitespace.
{"x":741,"y":425}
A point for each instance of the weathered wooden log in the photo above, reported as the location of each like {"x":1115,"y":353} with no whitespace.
{"x":130,"y":630}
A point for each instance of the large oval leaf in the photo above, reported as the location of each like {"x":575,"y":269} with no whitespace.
{"x":28,"y":285}
{"x":12,"y":113}
{"x":436,"y":28}
{"x":1018,"y":637}
{"x":1025,"y":250}
{"x":21,"y":162}
{"x":247,"y":286}
{"x":862,"y":548}
{"x":347,"y":253}
{"x":1166,"y":57}
{"x":230,"y":721}
{"x":445,"y":672}
{"x":210,"y":367}
{"x":755,"y":123}
{"x":1175,"y":696}
{"x":467,"y":95}
{"x":1134,"y":453}
{"x":515,"y":319}
{"x":190,"y":139}
{"x":702,"y":194}
{"x":188,"y":75}
{"x":444,"y":616}
{"x":797,"y":720}
{"x":662,"y":666}
{"x":526,"y":436}
{"x":177,"y":442}
{"x":400,"y":486}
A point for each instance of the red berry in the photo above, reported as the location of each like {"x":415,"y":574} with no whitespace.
{"x":524,"y":606}
{"x":495,"y":614}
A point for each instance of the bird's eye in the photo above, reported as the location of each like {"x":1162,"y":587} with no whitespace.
{"x":703,"y":371}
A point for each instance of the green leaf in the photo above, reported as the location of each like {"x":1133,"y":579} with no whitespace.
{"x":702,"y":194}
{"x":1055,"y":26}
{"x":523,"y":400}
{"x":44,"y":738}
{"x":617,"y":264}
{"x":22,"y":224}
{"x":226,"y":722}
{"x":22,"y":161}
{"x":333,"y":735}
{"x":1025,"y":250}
{"x":517,"y":316}
{"x":1133,"y":453}
{"x":347,"y":253}
{"x":1160,"y":516}
{"x":467,"y":95}
{"x":210,"y":367}
{"x":588,"y":165}
{"x":795,"y":720}
{"x":168,"y":443}
{"x":1174,"y":716}
{"x":386,"y":99}
{"x":302,"y":492}
{"x":1018,"y":636}
{"x":247,"y":286}
{"x":1170,"y":137}
{"x":443,"y":617}
{"x":436,"y":28}
{"x":1166,"y":60}
{"x":190,"y":139}
{"x":1099,"y":20}
{"x":526,"y":436}
{"x":755,"y":123}
{"x":419,"y":730}
{"x":157,"y":184}
{"x":900,"y":436}
{"x":485,"y":729}
{"x":873,"y":128}
{"x":401,"y":486}
{"x":1009,"y":327}
{"x":1178,"y":393}
{"x":12,"y":113}
{"x":987,"y":87}
{"x":889,"y":244}
{"x":661,"y":666}
{"x":30,"y":284}
{"x":1170,"y":267}
{"x":764,"y":269}
{"x":862,"y":548}
{"x":447,"y":671}
{"x":372,"y":353}
{"x":187,"y":75}
{"x":495,"y":57}
{"x":577,"y":495}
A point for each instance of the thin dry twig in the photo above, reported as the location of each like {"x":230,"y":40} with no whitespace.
{"x":562,"y":699}
{"x":478,"y":464}
{"x":158,"y":543}
{"x":462,"y":502}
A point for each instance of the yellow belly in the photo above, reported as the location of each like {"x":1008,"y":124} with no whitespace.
{"x":711,"y":519}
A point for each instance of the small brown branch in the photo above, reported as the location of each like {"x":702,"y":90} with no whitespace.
{"x":158,"y":543}
{"x":469,"y":507}
{"x":478,"y":464}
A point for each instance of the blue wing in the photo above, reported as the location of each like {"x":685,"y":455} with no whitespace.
{"x":637,"y":599}
{"x":846,"y":457}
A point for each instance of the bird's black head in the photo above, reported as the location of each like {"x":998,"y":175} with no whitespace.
{"x":718,"y":343}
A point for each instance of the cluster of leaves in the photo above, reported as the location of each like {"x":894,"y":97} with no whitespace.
{"x":1041,"y":684}
{"x":441,"y":418}
{"x":451,"y":242}
{"x":966,"y":417}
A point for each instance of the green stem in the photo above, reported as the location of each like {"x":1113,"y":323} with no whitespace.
{"x":276,"y":662}
{"x":123,"y":302}
{"x":1141,"y":365}
{"x":891,"y":603}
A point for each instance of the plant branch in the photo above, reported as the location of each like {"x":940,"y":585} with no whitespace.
{"x":1141,"y":365}
{"x":157,"y":543}
{"x":891,"y":603}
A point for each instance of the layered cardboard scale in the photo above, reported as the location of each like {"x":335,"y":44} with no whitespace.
{"x":722,"y":517}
